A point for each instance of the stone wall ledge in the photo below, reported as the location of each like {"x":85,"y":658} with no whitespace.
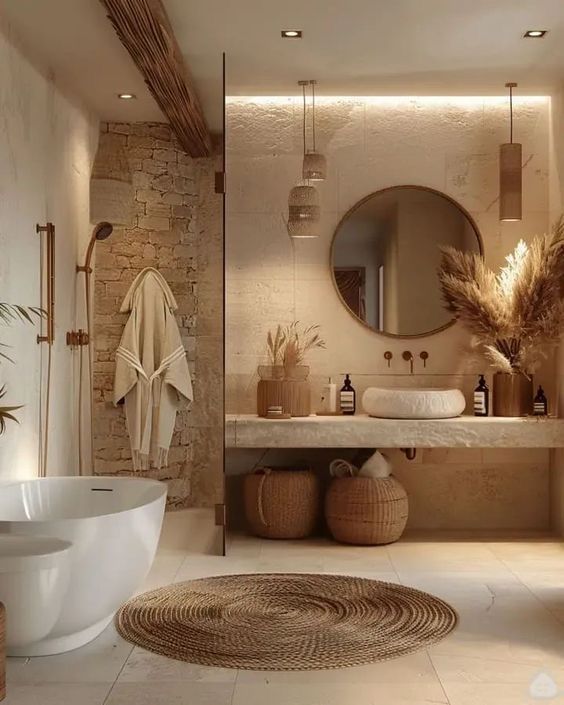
{"x":361,"y":431}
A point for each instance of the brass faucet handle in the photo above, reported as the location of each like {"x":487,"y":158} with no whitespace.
{"x":408,"y":357}
{"x":424,"y":355}
{"x":388,"y":356}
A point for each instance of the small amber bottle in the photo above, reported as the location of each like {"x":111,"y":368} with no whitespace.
{"x":347,"y":398}
{"x":540,"y":403}
{"x":482,"y":398}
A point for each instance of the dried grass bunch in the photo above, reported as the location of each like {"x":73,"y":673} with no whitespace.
{"x":516,"y":314}
{"x":289,"y":345}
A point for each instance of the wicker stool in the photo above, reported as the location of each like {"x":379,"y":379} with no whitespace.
{"x":366,"y":511}
{"x":282,"y":504}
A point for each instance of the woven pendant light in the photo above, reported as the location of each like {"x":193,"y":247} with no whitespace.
{"x":303,"y":212}
{"x":314,"y":165}
{"x":303,"y":203}
{"x":510,"y":172}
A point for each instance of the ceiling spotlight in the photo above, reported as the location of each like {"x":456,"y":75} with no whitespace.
{"x":535,"y":33}
{"x":126,"y":96}
{"x":291,"y":33}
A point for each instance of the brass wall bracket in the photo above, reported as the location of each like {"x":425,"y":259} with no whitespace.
{"x":49,"y":231}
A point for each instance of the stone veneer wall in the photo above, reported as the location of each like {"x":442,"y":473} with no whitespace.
{"x":450,"y":144}
{"x":174,"y":225}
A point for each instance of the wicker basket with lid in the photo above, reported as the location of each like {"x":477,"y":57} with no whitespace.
{"x":366,"y":511}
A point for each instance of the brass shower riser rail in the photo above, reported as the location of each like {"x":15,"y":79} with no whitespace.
{"x":49,"y":230}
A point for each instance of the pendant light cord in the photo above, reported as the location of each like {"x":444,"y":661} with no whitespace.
{"x":313,"y":113}
{"x":304,"y":121}
{"x":511,"y":114}
{"x":511,"y":86}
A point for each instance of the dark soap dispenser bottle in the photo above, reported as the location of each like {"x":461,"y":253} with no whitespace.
{"x":540,"y":403}
{"x":347,"y":397}
{"x":482,"y":398}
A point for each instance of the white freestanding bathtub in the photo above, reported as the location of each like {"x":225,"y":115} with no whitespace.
{"x":114,"y":526}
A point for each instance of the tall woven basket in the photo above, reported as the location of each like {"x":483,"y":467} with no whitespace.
{"x":366,"y":511}
{"x":282,"y":504}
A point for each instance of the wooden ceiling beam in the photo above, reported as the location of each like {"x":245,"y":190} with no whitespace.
{"x":145,"y":31}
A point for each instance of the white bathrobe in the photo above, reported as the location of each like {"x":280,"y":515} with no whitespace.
{"x":151,"y":369}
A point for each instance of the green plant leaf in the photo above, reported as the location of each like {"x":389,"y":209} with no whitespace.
{"x":6,"y":415}
{"x":14,"y":312}
{"x":5,"y":357}
{"x":6,"y":411}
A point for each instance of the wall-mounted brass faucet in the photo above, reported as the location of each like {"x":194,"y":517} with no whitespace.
{"x":408,"y":357}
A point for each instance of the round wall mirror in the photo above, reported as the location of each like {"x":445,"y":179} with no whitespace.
{"x":386,"y":253}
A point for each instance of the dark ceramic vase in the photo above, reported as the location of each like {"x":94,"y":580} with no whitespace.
{"x":512,"y":394}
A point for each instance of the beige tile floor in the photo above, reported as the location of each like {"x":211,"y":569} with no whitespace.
{"x":509,"y":593}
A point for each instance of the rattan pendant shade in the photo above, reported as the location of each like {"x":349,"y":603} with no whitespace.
{"x":303,"y":212}
{"x":314,"y":167}
{"x":303,"y":203}
{"x":510,"y":173}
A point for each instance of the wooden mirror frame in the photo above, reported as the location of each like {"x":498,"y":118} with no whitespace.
{"x":357,"y":205}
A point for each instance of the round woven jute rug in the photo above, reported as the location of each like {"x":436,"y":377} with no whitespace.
{"x":281,"y":621}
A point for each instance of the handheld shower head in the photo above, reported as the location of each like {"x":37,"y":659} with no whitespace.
{"x":102,"y":231}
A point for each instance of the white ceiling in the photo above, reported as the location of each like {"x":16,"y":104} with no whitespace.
{"x":353,"y":47}
{"x":75,"y":40}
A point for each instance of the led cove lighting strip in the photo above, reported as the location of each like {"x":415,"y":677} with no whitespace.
{"x":392,"y":100}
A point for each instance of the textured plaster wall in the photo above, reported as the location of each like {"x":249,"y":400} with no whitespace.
{"x":47,"y":145}
{"x":370,"y":143}
{"x":173,"y":224}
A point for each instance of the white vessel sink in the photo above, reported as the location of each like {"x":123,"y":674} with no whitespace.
{"x":413,"y":403}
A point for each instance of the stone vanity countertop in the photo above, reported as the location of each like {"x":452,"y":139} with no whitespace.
{"x":361,"y":431}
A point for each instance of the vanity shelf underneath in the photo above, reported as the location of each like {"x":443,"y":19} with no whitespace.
{"x":361,"y":431}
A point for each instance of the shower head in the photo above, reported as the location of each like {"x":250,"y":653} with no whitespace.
{"x":102,"y":231}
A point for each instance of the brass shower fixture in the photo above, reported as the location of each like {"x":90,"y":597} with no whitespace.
{"x":76,"y":338}
{"x":49,"y":231}
{"x":82,"y":338}
{"x":102,"y":231}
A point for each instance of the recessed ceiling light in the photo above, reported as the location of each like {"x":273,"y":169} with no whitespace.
{"x":535,"y":33}
{"x":127,"y":96}
{"x":291,"y":33}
